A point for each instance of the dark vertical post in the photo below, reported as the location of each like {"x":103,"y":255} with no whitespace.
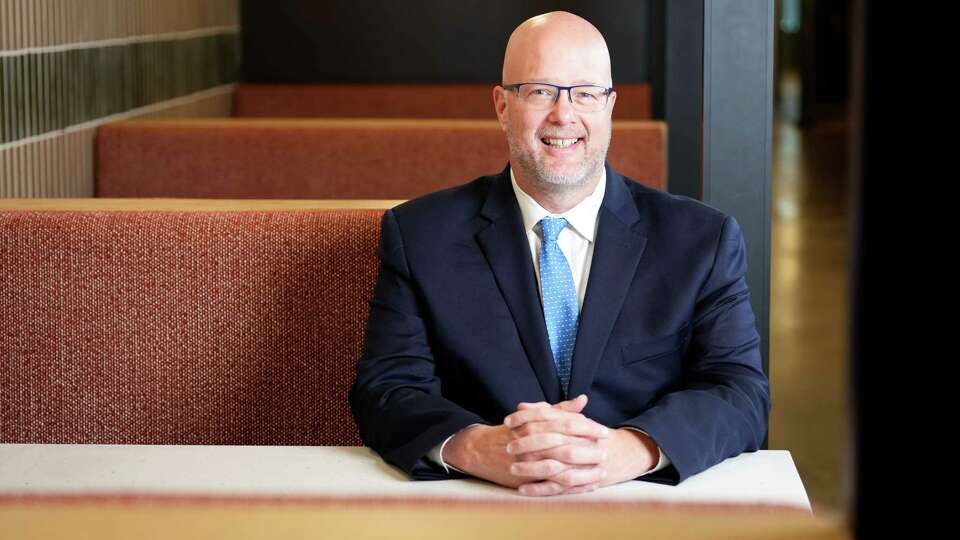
{"x":683,"y":95}
{"x":738,"y":132}
{"x":719,"y":112}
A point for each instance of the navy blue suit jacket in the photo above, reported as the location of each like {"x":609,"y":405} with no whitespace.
{"x":667,"y":341}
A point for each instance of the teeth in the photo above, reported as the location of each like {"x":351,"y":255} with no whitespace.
{"x":561,"y":143}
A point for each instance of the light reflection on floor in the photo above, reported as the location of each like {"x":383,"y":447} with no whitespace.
{"x":808,"y":305}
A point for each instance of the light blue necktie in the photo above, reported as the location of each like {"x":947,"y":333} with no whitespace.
{"x":561,"y":309}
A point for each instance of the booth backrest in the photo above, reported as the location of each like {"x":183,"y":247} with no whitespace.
{"x":183,"y":327}
{"x":398,"y":101}
{"x":327,"y":159}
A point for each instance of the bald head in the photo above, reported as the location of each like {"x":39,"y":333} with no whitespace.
{"x":557,"y":150}
{"x":542,"y":44}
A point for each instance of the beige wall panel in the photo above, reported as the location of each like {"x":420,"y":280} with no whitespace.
{"x":62,"y":165}
{"x":45,"y":23}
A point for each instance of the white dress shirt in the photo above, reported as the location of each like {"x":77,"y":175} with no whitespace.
{"x":576,"y":241}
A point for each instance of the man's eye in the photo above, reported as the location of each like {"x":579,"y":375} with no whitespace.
{"x":541,"y":92}
{"x":587,"y":96}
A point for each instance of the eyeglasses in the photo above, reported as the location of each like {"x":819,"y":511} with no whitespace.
{"x":583,"y":97}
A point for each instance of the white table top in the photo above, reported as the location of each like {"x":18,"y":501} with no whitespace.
{"x":764,"y":477}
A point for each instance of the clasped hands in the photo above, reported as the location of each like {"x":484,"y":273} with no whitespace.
{"x":544,"y":449}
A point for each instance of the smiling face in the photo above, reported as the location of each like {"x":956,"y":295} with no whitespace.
{"x":558,"y":148}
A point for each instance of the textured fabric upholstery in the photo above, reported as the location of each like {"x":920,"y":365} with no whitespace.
{"x":327,"y":159}
{"x":398,"y":101}
{"x":183,"y":327}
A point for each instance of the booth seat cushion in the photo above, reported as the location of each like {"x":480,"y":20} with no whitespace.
{"x":327,"y":159}
{"x":399,"y":101}
{"x":157,"y":327}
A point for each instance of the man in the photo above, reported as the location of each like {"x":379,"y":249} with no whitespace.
{"x":558,"y":328}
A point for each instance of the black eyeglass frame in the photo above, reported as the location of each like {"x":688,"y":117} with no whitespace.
{"x":560,"y":89}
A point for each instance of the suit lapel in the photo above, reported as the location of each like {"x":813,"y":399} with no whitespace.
{"x":504,"y":244}
{"x":616,"y":254}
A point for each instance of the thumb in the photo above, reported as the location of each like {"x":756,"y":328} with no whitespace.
{"x":538,"y":405}
{"x":574,"y":405}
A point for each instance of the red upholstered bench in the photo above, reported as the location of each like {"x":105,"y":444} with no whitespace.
{"x":231,"y":323}
{"x":398,"y":101}
{"x":327,"y":158}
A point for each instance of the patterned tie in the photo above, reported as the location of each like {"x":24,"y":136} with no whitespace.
{"x":561,"y":309}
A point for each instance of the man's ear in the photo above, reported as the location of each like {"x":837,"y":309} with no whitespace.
{"x":613,"y":101}
{"x":500,"y":105}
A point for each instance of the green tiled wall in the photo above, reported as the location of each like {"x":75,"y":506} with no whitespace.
{"x":48,"y":91}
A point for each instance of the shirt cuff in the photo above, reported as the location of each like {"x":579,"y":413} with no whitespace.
{"x":664,"y":460}
{"x":436,"y":454}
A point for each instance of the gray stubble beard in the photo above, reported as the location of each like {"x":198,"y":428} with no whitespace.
{"x":551,"y":182}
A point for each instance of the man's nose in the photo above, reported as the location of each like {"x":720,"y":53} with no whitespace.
{"x":562,"y":111}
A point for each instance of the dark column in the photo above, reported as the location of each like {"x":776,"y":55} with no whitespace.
{"x":738,"y":131}
{"x":719,"y":109}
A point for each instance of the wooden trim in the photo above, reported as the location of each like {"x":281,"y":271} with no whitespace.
{"x":353,"y":123}
{"x":191,"y":205}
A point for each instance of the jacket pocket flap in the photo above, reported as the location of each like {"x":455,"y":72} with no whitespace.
{"x":640,"y":351}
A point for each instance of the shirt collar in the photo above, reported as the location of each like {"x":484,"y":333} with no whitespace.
{"x":582,"y":218}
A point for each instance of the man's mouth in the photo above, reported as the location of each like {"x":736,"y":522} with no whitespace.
{"x":560,"y":143}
